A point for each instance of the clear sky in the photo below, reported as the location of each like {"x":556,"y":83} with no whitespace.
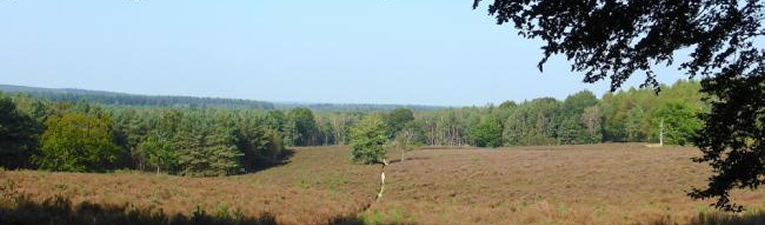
{"x":432,"y":52}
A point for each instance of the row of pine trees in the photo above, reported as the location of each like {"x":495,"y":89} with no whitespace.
{"x":83,"y":137}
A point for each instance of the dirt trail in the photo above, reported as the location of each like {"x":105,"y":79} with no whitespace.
{"x":382,"y":188}
{"x":382,"y":181}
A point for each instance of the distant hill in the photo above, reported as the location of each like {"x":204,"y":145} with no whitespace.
{"x":116,"y":98}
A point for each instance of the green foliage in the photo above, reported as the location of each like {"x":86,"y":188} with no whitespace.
{"x":129,"y":130}
{"x":508,"y":105}
{"x":221,"y":141}
{"x":572,"y":131}
{"x":206,"y":147}
{"x":398,"y":119}
{"x":301,"y":127}
{"x":77,"y":142}
{"x":275,"y":120}
{"x":574,"y":127}
{"x":533,"y":123}
{"x":260,"y":145}
{"x":632,"y":115}
{"x":368,"y":140}
{"x":406,"y":139}
{"x":577,"y":103}
{"x":18,"y":135}
{"x":209,"y":142}
{"x":680,"y":121}
{"x":592,"y":119}
{"x":634,"y":124}
{"x":122,"y":99}
{"x":487,"y":134}
{"x":160,"y":152}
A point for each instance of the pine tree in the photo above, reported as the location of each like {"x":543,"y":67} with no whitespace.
{"x":206,"y":147}
{"x":18,"y":135}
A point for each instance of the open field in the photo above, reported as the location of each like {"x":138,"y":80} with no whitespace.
{"x":588,"y":184}
{"x":317,"y":186}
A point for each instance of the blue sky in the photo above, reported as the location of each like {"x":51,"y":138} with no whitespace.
{"x":430,"y":52}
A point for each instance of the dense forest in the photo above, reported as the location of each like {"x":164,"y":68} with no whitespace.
{"x":40,"y":131}
{"x":116,"y":98}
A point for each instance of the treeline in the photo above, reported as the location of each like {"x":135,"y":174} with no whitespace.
{"x":634,"y":115}
{"x":36,"y":132}
{"x":123,"y":99}
{"x":114,"y":98}
{"x":365,"y":108}
{"x":85,"y":137}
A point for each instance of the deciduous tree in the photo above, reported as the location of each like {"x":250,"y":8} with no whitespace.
{"x":487,"y":134}
{"x":303,"y":125}
{"x":77,"y":142}
{"x":368,"y":139}
{"x":591,"y":118}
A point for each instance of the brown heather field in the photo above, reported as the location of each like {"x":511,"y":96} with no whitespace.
{"x":318,"y":185}
{"x":589,"y":184}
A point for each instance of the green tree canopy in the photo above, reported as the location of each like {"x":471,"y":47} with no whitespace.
{"x":487,"y":134}
{"x":18,"y":135}
{"x":576,"y":103}
{"x":206,"y":146}
{"x":303,"y":126}
{"x":573,"y":129}
{"x":159,"y":151}
{"x":592,"y":120}
{"x":368,"y":139}
{"x":77,"y":142}
{"x":680,"y":121}
{"x":534,"y":123}
{"x":398,"y":118}
{"x":258,"y":142}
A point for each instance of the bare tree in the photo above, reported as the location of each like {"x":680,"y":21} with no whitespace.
{"x":403,"y":142}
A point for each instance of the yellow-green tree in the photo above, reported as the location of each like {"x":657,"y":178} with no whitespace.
{"x":77,"y":142}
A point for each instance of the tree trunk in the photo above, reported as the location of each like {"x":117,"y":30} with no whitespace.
{"x":661,"y":133}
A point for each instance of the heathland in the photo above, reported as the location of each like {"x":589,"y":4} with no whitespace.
{"x":585,"y":184}
{"x":126,"y":159}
